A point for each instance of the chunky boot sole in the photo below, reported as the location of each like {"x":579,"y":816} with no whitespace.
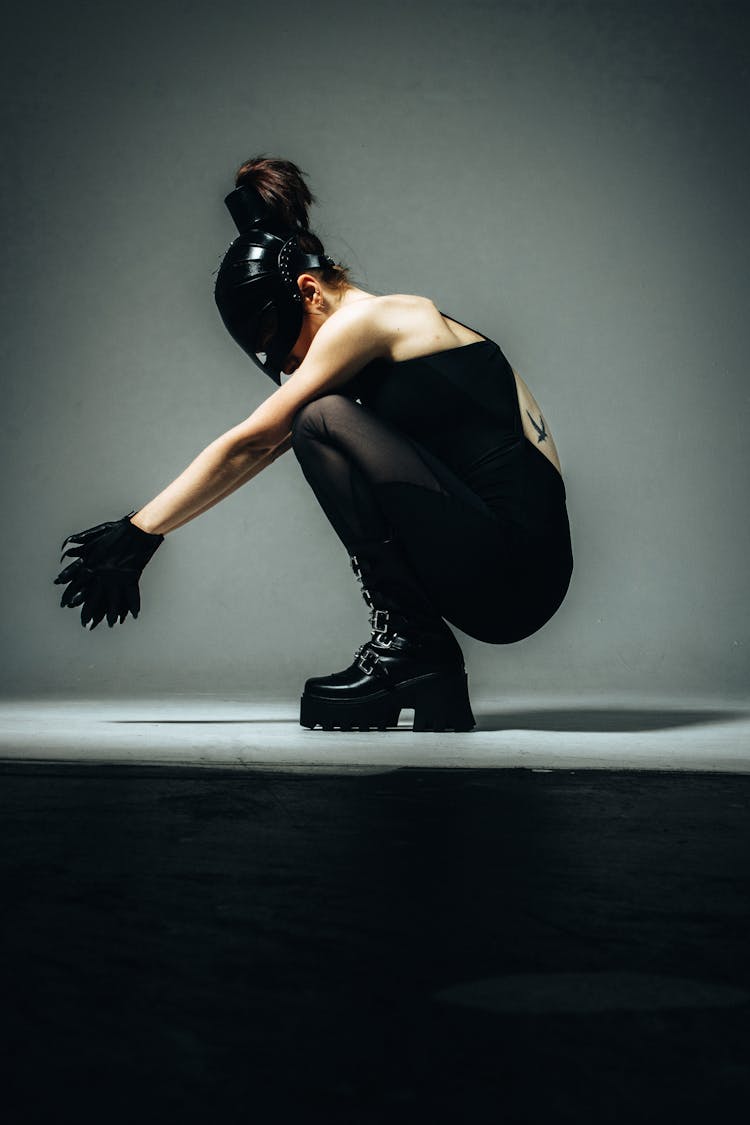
{"x":440,"y":701}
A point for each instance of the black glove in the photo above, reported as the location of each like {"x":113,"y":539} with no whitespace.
{"x":104,"y":577}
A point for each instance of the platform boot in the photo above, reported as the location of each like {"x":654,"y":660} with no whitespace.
{"x":411,"y":660}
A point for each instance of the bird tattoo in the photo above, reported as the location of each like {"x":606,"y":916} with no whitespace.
{"x":541,"y":431}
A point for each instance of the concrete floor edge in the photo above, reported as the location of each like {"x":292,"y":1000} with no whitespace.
{"x":616,"y":731}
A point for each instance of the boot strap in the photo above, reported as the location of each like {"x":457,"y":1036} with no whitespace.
{"x":358,"y":575}
{"x":354,"y":559}
{"x":384,"y":623}
{"x":382,"y":631}
{"x":379,"y":620}
{"x":370,"y":662}
{"x":387,"y":625}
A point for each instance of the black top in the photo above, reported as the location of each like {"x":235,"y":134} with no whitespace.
{"x":461,"y":404}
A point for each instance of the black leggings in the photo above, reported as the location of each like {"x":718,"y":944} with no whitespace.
{"x":490,"y":578}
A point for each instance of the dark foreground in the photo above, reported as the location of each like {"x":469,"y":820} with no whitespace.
{"x":448,"y":945}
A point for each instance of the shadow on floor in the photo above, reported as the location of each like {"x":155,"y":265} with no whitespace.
{"x":603,"y":719}
{"x":207,"y":722}
{"x":597,"y":720}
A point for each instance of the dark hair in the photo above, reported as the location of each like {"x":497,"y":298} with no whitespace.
{"x":283,"y":189}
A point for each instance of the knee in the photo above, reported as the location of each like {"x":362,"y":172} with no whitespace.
{"x":305,"y":422}
{"x":319,"y":418}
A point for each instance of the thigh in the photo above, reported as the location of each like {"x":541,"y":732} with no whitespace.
{"x":382,"y":453}
{"x":485,"y":577}
{"x":473,"y":563}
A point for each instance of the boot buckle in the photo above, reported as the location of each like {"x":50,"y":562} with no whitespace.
{"x":366,"y":661}
{"x":379,"y":623}
{"x":370,"y":663}
{"x":379,"y":620}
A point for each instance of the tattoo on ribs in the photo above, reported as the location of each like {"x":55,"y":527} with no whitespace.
{"x":542,"y":431}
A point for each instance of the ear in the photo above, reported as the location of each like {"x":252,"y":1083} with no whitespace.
{"x":309,"y":287}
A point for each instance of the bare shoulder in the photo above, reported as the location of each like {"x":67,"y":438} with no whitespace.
{"x":412,"y":325}
{"x":361,"y":326}
{"x":395,"y":309}
{"x":384,"y":320}
{"x":400,"y":326}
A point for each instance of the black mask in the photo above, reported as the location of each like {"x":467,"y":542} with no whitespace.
{"x":256,"y":287}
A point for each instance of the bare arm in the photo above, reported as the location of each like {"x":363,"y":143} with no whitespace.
{"x":215,"y":473}
{"x":252,"y":471}
{"x":347,"y":341}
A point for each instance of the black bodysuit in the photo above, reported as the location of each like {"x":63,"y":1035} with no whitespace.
{"x":434,"y":452}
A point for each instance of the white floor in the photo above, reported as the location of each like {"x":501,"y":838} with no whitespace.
{"x":533,"y":732}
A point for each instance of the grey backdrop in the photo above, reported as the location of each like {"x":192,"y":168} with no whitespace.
{"x":569,"y":178}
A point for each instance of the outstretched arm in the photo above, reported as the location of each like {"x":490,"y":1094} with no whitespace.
{"x":243,"y":475}
{"x":109,"y":558}
{"x":221,"y":468}
{"x":344,"y":343}
{"x":256,"y":467}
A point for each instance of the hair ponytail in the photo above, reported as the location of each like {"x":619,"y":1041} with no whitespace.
{"x":281,"y":185}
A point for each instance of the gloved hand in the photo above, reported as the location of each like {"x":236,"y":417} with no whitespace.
{"x":104,"y":577}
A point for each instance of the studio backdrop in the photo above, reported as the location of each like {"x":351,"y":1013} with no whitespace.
{"x":569,"y":178}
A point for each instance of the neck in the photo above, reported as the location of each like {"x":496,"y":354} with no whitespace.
{"x":352,"y":293}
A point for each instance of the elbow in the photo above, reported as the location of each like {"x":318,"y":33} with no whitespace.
{"x":256,"y":436}
{"x":242,"y":448}
{"x":259,"y":448}
{"x":248,"y":452}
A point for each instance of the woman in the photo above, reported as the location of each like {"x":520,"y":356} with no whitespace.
{"x":426,"y":451}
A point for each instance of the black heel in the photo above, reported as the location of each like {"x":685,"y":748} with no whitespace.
{"x":442,"y":703}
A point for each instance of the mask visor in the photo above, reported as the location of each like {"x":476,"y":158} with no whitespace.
{"x":274,"y":340}
{"x":265,"y":331}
